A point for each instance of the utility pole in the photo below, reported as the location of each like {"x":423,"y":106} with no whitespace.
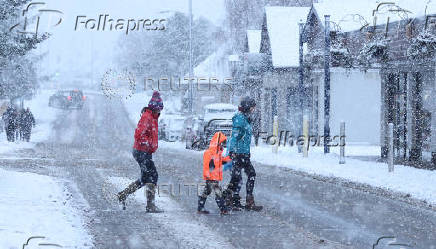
{"x":301,"y":91}
{"x":191,"y":71}
{"x":327,"y":85}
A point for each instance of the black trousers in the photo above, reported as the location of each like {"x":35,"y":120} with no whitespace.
{"x":146,"y":164}
{"x":242,"y":161}
{"x":212,"y":186}
{"x":215,"y":187}
{"x":10,"y":134}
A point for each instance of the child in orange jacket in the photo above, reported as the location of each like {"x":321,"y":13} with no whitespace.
{"x":213,"y":173}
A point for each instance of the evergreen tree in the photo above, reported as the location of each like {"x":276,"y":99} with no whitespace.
{"x":17,"y":74}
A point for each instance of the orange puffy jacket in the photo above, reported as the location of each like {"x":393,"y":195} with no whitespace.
{"x":213,"y":159}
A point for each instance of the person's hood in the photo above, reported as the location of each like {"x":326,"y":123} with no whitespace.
{"x":217,"y":138}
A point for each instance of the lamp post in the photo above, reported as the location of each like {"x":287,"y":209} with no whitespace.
{"x":301,"y":91}
{"x":191,"y":71}
{"x":327,"y":85}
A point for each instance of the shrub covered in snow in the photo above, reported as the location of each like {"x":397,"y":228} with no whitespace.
{"x":340,"y":56}
{"x":374,"y":51}
{"x":314,"y":58}
{"x":423,"y":46}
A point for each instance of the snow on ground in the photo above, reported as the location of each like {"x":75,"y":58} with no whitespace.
{"x":44,"y":116}
{"x":419,"y":183}
{"x":40,"y":206}
{"x":187,"y":230}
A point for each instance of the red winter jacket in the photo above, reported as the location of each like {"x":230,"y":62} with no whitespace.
{"x":146,"y":133}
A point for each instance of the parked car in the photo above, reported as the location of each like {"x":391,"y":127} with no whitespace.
{"x":67,"y":99}
{"x":171,"y":127}
{"x":192,"y":133}
{"x":215,"y":117}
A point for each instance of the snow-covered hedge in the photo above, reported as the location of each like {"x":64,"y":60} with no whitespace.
{"x":339,"y":57}
{"x":422,"y":47}
{"x":374,"y":51}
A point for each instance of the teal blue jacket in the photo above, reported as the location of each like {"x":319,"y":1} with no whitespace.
{"x":240,"y":139}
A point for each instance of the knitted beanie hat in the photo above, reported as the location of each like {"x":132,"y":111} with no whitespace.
{"x":156,"y":102}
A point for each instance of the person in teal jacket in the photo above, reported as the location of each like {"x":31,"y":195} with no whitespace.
{"x":239,"y":151}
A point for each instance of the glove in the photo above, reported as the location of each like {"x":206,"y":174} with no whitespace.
{"x":228,"y":165}
{"x":232,"y":155}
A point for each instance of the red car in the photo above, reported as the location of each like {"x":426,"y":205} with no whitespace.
{"x":67,"y":99}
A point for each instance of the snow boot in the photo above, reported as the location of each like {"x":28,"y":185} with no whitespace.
{"x":122,"y":196}
{"x":250,"y":205}
{"x":227,"y":196}
{"x":224,"y":212}
{"x":201,"y":202}
{"x":221,"y":204}
{"x":236,"y":203}
{"x":151,"y":206}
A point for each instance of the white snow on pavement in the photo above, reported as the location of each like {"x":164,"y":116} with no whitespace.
{"x":37,"y":205}
{"x":189,"y":232}
{"x":419,"y":183}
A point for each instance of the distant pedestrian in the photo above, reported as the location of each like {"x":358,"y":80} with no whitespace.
{"x":26,"y":124}
{"x":10,"y":119}
{"x":213,"y":173}
{"x":146,"y":143}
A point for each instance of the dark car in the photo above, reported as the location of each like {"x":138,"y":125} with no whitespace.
{"x":67,"y":99}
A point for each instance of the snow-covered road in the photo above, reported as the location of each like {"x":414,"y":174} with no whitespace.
{"x":92,"y":149}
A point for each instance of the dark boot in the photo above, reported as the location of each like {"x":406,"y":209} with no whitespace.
{"x":122,"y":196}
{"x":221,"y":204}
{"x":201,"y":202}
{"x":151,"y":206}
{"x":236,"y":203}
{"x":227,"y":196}
{"x":250,"y":205}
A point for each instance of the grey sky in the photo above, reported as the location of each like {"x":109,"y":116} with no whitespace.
{"x":73,"y":53}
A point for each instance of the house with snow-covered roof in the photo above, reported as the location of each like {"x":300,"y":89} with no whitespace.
{"x":252,"y":42}
{"x":280,"y":46}
{"x":394,"y":43}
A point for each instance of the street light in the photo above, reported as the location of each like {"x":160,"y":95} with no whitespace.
{"x":301,"y":91}
{"x":191,"y":73}
{"x":327,"y":84}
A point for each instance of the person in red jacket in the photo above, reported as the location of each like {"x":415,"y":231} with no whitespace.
{"x":213,"y":173}
{"x":146,"y":143}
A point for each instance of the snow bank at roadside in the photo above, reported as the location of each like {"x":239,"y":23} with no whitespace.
{"x":419,"y":183}
{"x":44,"y":116}
{"x":39,"y":206}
